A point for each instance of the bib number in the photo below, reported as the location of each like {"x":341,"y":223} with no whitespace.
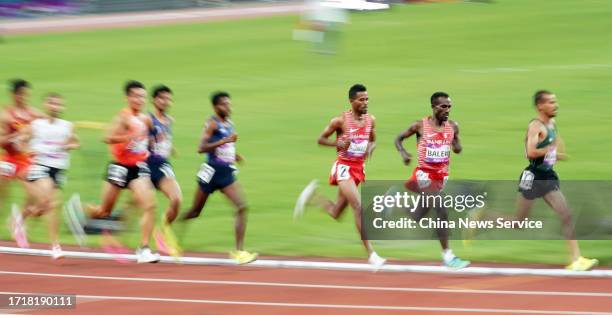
{"x":7,"y":169}
{"x":206,"y":173}
{"x":117,"y":174}
{"x":358,"y":149}
{"x":526,"y":182}
{"x":437,"y":154}
{"x":226,"y":153}
{"x":343,"y":172}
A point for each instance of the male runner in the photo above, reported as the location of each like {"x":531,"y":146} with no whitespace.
{"x":436,"y":136}
{"x":218,"y":141}
{"x":52,"y":139}
{"x":162,"y":174}
{"x":15,"y":162}
{"x":539,"y":180}
{"x":128,"y":139}
{"x":355,"y":141}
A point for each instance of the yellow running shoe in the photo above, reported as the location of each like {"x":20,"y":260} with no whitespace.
{"x":166,"y":241}
{"x":243,"y":257}
{"x":582,"y":264}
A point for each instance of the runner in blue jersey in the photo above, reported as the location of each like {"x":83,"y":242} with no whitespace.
{"x":162,"y":174}
{"x":218,"y":142}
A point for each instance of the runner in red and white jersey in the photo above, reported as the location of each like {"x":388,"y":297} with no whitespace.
{"x":15,"y":161}
{"x":436,"y":137}
{"x":355,"y":141}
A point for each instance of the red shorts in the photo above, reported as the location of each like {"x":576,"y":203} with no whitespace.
{"x":13,"y":166}
{"x":423,"y":180}
{"x":344,"y":170}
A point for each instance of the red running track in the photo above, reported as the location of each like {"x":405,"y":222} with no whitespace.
{"x":110,"y":287}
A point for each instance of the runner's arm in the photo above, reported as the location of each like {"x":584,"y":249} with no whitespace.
{"x":561,"y":151}
{"x":117,"y":131}
{"x":207,"y":133}
{"x":73,"y":142}
{"x":413,"y":129}
{"x":457,"y":148}
{"x":372,"y":140}
{"x":334,"y":125}
{"x":533,"y":135}
{"x":5,"y":136}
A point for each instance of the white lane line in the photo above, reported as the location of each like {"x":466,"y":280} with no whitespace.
{"x":317,"y":286}
{"x":322,"y":265}
{"x":337,"y":306}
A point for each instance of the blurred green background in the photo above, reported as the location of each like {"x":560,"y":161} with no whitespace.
{"x":489,"y":57}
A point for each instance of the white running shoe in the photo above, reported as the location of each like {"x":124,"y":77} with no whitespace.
{"x":376,"y":261}
{"x":305,"y":196}
{"x":18,"y":228}
{"x":76,"y":219}
{"x":56,"y":252}
{"x":144,"y":255}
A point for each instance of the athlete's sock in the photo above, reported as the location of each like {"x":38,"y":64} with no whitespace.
{"x":447,"y":255}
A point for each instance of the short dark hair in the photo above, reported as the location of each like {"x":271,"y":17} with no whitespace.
{"x":132,"y":85}
{"x":539,"y":96}
{"x":18,"y":84}
{"x":434,"y":97}
{"x":356,"y":88}
{"x":160,"y":89}
{"x":215,"y":98}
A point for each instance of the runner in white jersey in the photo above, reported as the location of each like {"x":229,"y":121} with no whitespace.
{"x":52,"y":139}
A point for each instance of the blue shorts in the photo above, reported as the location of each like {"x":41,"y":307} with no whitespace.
{"x":213,"y":177}
{"x":160,"y":168}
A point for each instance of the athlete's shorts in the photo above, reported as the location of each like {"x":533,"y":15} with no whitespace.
{"x":214,"y":177}
{"x":423,"y":180}
{"x":121,"y":175}
{"x":534,"y":183}
{"x":345,"y":170}
{"x":38,"y":171}
{"x":160,"y":168}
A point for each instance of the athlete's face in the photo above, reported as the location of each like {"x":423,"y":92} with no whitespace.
{"x":21,"y":96}
{"x":360,"y":102}
{"x":162,"y":101}
{"x":223,"y":108}
{"x":136,"y":98}
{"x":548,"y":105}
{"x":54,"y":106}
{"x":442,"y":108}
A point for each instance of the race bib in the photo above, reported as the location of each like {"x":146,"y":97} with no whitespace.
{"x":343,"y":172}
{"x":226,"y":153}
{"x":358,"y":148}
{"x":37,"y":172}
{"x":117,"y":174}
{"x":437,"y":153}
{"x":7,"y":169}
{"x":205,"y":173}
{"x":423,"y":180}
{"x":526,"y":182}
{"x":138,"y":146}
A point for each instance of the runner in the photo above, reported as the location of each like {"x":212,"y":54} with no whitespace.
{"x":436,"y":135}
{"x":543,"y":147}
{"x":15,"y":162}
{"x":162,"y":174}
{"x":355,"y":141}
{"x":52,"y":139}
{"x":218,"y":141}
{"x":128,"y":141}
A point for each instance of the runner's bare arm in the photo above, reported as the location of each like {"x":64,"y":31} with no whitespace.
{"x":561,"y":151}
{"x":5,"y":136}
{"x":73,"y":142}
{"x":207,"y":133}
{"x":335,"y":125}
{"x":533,"y":136}
{"x":413,"y":129}
{"x":372,"y":140}
{"x":456,"y":144}
{"x":117,"y":131}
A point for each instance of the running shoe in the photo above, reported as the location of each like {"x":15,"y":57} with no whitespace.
{"x":243,"y":257}
{"x":305,"y":197}
{"x":145,"y":255}
{"x":18,"y":228}
{"x":457,"y":263}
{"x":582,"y":264}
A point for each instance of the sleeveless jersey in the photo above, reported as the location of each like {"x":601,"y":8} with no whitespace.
{"x":161,"y":135}
{"x":546,"y":162}
{"x":136,"y":150}
{"x":48,"y":140}
{"x":15,"y":123}
{"x":225,"y":154}
{"x":434,"y":147}
{"x":359,"y":138}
